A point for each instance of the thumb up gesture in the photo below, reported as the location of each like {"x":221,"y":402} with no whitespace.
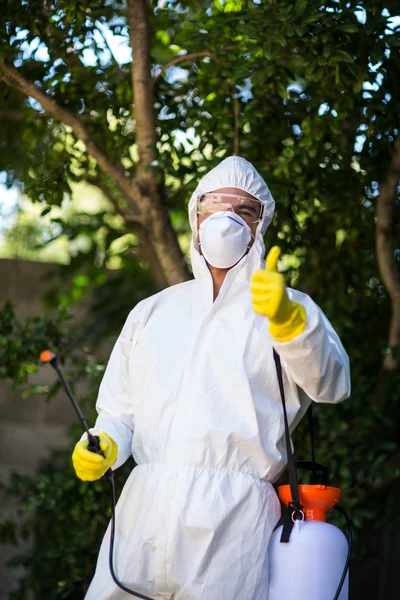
{"x":268,"y":290}
{"x":269,"y":297}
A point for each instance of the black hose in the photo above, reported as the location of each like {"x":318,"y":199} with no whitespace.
{"x":94,"y":441}
{"x":350,"y":547}
{"x":110,"y":478}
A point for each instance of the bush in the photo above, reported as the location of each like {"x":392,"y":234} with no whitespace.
{"x":66,"y":519}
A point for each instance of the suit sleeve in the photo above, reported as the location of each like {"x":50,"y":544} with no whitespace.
{"x":316,"y":359}
{"x":114,"y":402}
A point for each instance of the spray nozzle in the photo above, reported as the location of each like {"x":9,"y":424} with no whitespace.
{"x":47,"y":356}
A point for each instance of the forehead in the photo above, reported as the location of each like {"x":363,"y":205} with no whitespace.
{"x":233,"y":190}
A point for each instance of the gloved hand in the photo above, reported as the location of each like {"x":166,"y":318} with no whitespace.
{"x":90,"y":466}
{"x":269,"y":297}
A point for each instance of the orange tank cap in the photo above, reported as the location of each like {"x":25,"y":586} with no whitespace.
{"x":316,"y":499}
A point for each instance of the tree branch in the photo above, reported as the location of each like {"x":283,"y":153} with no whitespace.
{"x":135,"y":224}
{"x":183,"y":185}
{"x":19,"y":115}
{"x":179,"y":59}
{"x":157,"y":237}
{"x":14,"y":115}
{"x":114,"y":60}
{"x":143,"y":110}
{"x":15,"y":79}
{"x":129,"y":219}
{"x":385,"y":252}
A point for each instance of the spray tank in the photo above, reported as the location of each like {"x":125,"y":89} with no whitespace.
{"x":309,"y":557}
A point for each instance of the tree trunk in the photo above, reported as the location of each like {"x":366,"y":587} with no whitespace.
{"x":385,"y":253}
{"x":147,"y":195}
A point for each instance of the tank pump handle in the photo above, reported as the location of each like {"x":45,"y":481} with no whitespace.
{"x":320,"y":473}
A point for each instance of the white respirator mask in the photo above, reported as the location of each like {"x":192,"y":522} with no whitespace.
{"x":224,"y":238}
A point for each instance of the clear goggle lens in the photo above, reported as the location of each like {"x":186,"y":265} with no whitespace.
{"x":249,"y":209}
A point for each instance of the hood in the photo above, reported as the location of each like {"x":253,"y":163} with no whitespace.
{"x":237,"y":172}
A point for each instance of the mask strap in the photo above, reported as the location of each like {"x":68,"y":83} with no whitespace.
{"x":254,"y":239}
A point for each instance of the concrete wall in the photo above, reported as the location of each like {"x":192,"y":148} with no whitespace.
{"x":30,"y":427}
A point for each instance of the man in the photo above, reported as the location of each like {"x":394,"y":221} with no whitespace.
{"x":191,"y":391}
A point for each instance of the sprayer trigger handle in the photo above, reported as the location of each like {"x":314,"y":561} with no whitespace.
{"x":94,"y":445}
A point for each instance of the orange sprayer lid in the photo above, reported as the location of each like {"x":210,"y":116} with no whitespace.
{"x":316,"y":499}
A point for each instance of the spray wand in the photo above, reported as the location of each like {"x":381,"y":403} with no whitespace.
{"x":47,"y":356}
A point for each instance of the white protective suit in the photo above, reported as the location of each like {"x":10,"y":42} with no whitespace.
{"x":191,"y":391}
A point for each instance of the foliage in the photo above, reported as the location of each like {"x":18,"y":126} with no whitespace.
{"x":72,"y":514}
{"x":307,"y":92}
{"x":21,"y":344}
{"x":54,"y":505}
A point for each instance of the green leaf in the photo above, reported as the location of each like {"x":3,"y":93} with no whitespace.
{"x":344,"y":56}
{"x":348,"y":28}
{"x":300,"y":6}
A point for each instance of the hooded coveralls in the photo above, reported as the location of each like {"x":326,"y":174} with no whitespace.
{"x":191,"y":392}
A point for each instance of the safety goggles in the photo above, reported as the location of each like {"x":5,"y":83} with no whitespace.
{"x":249,"y":209}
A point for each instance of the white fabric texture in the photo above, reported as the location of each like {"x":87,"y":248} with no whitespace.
{"x":191,"y":391}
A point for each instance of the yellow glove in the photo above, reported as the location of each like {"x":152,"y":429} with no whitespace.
{"x":90,"y":466}
{"x":269,"y":297}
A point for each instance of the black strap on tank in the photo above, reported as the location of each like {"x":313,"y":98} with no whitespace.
{"x":295,"y":507}
{"x":311,"y":430}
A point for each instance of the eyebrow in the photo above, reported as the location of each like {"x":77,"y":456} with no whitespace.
{"x":250,"y":206}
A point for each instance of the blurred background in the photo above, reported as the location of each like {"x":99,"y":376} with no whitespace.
{"x":110,"y":112}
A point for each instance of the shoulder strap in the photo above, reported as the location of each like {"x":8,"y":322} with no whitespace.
{"x":311,"y":430}
{"x":294,"y":507}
